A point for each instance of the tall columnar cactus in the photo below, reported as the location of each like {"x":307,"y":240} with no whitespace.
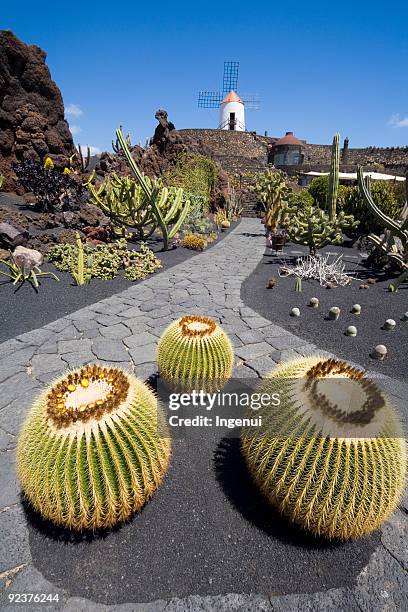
{"x":396,"y":251}
{"x":272,"y":190}
{"x":332,"y":456}
{"x":93,"y":449}
{"x":169,"y":214}
{"x":83,"y":273}
{"x":333,"y":186}
{"x":194,"y":352}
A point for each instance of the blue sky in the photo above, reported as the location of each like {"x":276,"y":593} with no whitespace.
{"x":318,"y":67}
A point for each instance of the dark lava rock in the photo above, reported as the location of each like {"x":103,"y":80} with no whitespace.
{"x":12,"y":235}
{"x":32,"y":123}
{"x":13,"y":216}
{"x":91,"y":215}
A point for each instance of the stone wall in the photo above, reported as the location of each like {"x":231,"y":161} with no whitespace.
{"x":393,"y":159}
{"x":237,"y":152}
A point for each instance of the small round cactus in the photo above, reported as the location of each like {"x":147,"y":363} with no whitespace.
{"x":404,"y":316}
{"x":351,"y":331}
{"x":332,"y":456}
{"x":93,"y":449}
{"x":295,"y":312}
{"x":314,"y":302}
{"x":334,"y":313}
{"x":356,"y":309}
{"x":389,"y":325}
{"x":194,"y":352}
{"x":379,"y":352}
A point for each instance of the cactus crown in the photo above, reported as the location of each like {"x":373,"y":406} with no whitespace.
{"x":86,"y":394}
{"x":195,"y":325}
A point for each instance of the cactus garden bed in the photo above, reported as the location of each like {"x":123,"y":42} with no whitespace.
{"x":22,"y":309}
{"x":377,"y":305}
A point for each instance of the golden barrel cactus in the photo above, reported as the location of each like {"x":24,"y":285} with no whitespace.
{"x":332,"y":456}
{"x":194,"y":352}
{"x":93,"y":449}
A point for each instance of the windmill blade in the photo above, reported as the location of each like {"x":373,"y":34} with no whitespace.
{"x":209,"y":99}
{"x":230,"y":77}
{"x":251,"y":101}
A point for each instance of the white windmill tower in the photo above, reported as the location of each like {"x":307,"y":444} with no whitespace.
{"x":231,"y":105}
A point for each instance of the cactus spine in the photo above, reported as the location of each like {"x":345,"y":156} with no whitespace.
{"x":333,"y":186}
{"x":93,"y":449}
{"x":333,"y":466}
{"x":194,"y":352}
{"x":392,"y":229}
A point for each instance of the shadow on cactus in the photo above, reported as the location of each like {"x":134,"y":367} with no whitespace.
{"x":195,"y":353}
{"x":332,"y":456}
{"x":93,"y":449}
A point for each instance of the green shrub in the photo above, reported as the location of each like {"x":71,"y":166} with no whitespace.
{"x":384,"y":196}
{"x":197,"y":175}
{"x":300,"y":199}
{"x":318,"y":190}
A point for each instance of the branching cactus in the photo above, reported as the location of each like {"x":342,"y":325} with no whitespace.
{"x":93,"y":449}
{"x":394,"y":242}
{"x":332,"y":457}
{"x":312,"y":227}
{"x":272,"y":190}
{"x":194,"y":353}
{"x":169,"y":206}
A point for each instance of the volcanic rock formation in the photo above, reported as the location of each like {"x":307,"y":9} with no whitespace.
{"x":32,"y":123}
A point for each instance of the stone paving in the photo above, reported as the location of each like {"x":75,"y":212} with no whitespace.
{"x":124,"y":330}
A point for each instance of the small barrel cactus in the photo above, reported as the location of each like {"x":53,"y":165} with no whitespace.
{"x":389,"y":325}
{"x":93,"y":449}
{"x":356,"y":309}
{"x":335,"y":467}
{"x":314,"y":302}
{"x":295,"y":312}
{"x":334,"y":313}
{"x":351,"y":331}
{"x":379,"y":352}
{"x":194,"y":352}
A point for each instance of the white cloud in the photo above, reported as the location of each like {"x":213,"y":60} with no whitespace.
{"x":74,"y":110}
{"x":93,"y":150}
{"x":398,"y":122}
{"x":75,"y":129}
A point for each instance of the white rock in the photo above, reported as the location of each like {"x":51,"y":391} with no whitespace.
{"x":314,"y":302}
{"x":356,"y":309}
{"x":295,"y":312}
{"x":351,"y":331}
{"x":27,"y":258}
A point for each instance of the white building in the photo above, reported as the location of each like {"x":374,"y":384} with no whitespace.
{"x":232,"y":113}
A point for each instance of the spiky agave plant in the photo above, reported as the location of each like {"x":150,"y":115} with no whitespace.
{"x":332,"y":457}
{"x":93,"y":448}
{"x":194,"y":352}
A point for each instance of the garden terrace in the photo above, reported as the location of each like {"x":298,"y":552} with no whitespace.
{"x":207,"y":540}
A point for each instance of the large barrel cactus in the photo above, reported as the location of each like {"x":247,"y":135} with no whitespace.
{"x":194,"y":352}
{"x":93,"y":448}
{"x":332,"y":456}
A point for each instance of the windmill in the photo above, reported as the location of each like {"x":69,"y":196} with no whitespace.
{"x":232,"y":106}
